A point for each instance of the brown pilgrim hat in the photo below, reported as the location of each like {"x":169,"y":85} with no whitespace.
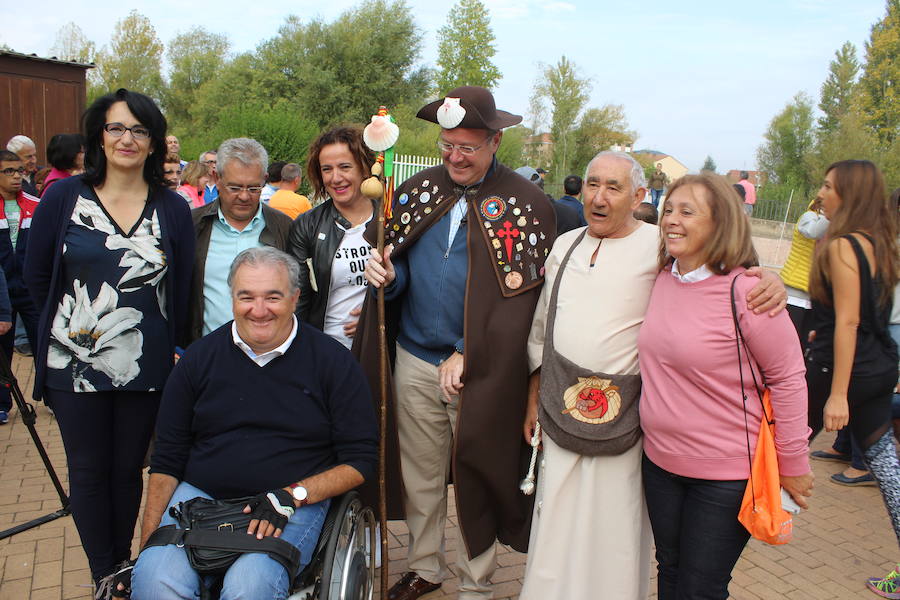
{"x":469,"y":106}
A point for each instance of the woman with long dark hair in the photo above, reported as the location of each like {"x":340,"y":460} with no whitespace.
{"x":852,"y":363}
{"x":109,"y":265}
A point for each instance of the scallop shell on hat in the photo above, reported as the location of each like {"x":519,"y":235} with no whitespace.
{"x":381,"y":133}
{"x":450,"y":114}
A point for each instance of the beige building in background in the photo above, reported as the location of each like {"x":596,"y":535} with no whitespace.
{"x":671,"y":166}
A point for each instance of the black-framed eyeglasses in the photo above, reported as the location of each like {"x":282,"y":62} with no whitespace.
{"x":138,"y":132}
{"x":253,"y":190}
{"x":9,"y":171}
{"x":464,"y":150}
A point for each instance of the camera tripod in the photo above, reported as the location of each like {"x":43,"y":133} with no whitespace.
{"x":8,"y":380}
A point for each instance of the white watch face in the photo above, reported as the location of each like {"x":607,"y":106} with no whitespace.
{"x":299,"y":493}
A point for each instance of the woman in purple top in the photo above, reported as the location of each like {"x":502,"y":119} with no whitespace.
{"x":696,"y":461}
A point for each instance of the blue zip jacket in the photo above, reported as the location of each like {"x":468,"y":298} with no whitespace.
{"x":434,"y":304}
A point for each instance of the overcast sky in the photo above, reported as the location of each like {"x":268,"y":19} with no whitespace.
{"x":696,"y":78}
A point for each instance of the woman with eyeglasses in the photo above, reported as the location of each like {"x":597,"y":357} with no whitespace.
{"x":328,"y":240}
{"x":109,"y":265}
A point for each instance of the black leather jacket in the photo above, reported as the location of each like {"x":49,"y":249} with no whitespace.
{"x":313,"y":241}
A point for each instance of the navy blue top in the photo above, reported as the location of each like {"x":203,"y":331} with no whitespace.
{"x":109,"y":331}
{"x":574,"y":203}
{"x":46,"y":280}
{"x":233,"y":428}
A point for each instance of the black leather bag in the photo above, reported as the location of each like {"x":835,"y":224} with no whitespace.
{"x":214,"y":535}
{"x":223,"y":516}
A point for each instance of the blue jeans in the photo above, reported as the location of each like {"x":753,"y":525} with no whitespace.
{"x":654,"y":197}
{"x":698,"y":536}
{"x":164,"y":573}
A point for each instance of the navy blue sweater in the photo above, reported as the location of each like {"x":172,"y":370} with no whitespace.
{"x":233,"y":428}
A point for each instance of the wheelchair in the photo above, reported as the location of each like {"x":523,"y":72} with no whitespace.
{"x":342,"y":566}
{"x":343,"y":563}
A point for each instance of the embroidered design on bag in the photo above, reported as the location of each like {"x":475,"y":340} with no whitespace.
{"x":593,"y":400}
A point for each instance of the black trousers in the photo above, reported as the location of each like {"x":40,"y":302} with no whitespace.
{"x":106,"y":435}
{"x":869,"y":400}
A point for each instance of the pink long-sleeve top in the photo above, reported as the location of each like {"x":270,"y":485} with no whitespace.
{"x":691,"y":409}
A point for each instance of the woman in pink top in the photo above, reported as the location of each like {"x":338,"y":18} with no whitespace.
{"x":193,"y":182}
{"x":696,"y":463}
{"x":65,"y":153}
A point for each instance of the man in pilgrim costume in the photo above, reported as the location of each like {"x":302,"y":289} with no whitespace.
{"x":462,"y":271}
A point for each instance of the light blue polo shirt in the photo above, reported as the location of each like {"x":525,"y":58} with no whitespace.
{"x":225,"y":243}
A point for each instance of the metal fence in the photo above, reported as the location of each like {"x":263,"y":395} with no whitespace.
{"x":406,"y":165}
{"x":774,"y":215}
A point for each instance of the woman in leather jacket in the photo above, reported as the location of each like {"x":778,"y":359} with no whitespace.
{"x":327,"y":240}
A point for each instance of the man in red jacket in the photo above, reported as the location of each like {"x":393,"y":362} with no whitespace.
{"x":15,"y":222}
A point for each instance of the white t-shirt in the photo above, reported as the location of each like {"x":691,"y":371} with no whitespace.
{"x":348,"y":284}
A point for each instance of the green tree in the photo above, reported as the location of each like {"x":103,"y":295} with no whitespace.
{"x":599,"y":129}
{"x":71,"y":44}
{"x":282,"y":133}
{"x":709,"y":165}
{"x":341,"y":72}
{"x":838,"y":87}
{"x":850,"y":139}
{"x":512,"y":145}
{"x":567,"y":95}
{"x":879,"y":85}
{"x":235,"y":85}
{"x":195,"y":57}
{"x":789,"y":142}
{"x":465,"y":48}
{"x":133,"y":59}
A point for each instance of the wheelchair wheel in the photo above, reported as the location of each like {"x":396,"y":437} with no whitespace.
{"x":348,"y":569}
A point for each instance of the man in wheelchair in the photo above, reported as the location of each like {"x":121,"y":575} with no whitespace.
{"x":264,"y":408}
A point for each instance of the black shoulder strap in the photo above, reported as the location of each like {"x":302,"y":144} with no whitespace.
{"x":739,"y":340}
{"x":868,"y":303}
{"x":277,"y":549}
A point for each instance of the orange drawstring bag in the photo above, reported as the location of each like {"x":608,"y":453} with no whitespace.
{"x":761,"y":512}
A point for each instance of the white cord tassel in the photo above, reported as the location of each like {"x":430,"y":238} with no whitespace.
{"x":527,"y":484}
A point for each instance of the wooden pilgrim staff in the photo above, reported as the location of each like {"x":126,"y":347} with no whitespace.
{"x":380,"y":136}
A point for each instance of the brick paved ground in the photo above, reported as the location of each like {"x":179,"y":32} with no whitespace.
{"x":843,"y":539}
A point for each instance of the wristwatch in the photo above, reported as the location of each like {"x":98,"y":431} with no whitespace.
{"x":299,"y":493}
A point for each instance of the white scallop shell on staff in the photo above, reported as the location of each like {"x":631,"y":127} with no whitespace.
{"x":381,"y":133}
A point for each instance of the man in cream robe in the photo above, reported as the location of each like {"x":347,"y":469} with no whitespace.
{"x":590,"y":536}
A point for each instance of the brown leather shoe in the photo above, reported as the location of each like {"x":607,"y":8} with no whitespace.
{"x":410,"y":587}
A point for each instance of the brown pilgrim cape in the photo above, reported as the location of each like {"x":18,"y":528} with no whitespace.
{"x":511,"y":228}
